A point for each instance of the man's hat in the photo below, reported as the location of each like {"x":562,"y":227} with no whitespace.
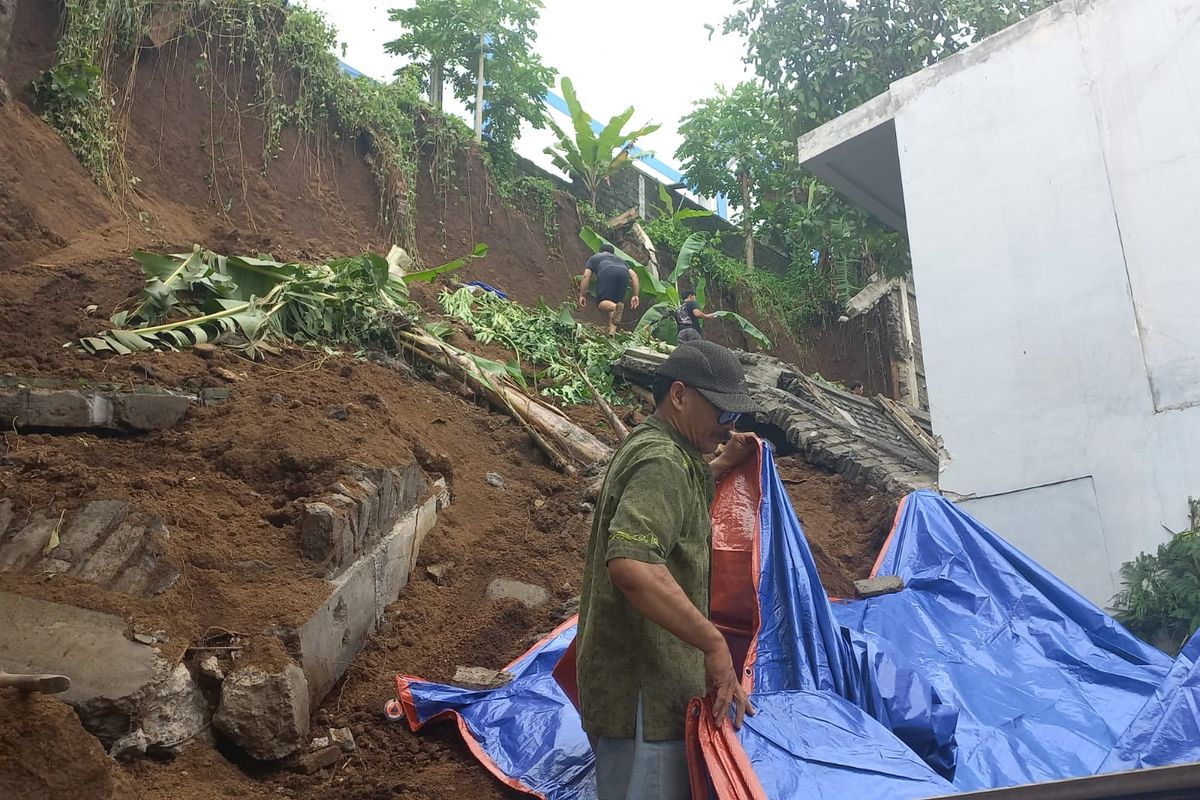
{"x":714,"y":372}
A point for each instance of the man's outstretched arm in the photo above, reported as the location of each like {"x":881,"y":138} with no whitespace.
{"x":587,"y":277}
{"x":655,"y":594}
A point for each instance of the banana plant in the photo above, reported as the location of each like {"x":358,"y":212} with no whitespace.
{"x":665,"y":295}
{"x":594,"y":157}
{"x":346,"y":300}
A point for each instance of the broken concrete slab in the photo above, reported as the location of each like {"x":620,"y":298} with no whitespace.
{"x":524,"y":593}
{"x":330,"y":639}
{"x":265,"y":713}
{"x":106,"y":542}
{"x":176,"y":713}
{"x":361,"y":510}
{"x":110,"y":675}
{"x":343,"y":738}
{"x":73,"y":409}
{"x":874,"y":587}
{"x":480,"y":677}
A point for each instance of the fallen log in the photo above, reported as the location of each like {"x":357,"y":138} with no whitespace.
{"x":553,"y":432}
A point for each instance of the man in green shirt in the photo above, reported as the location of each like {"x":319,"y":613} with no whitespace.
{"x":645,"y":643}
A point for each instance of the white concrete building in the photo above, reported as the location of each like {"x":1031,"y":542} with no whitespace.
{"x":1049,"y":182}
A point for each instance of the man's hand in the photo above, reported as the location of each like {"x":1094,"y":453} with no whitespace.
{"x":583,"y":301}
{"x":724,"y":686}
{"x":634,"y":302}
{"x":733,"y":453}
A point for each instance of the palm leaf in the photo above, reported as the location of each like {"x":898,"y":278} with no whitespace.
{"x":654,"y":315}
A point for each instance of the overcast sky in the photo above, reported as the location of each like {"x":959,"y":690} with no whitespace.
{"x":654,"y":55}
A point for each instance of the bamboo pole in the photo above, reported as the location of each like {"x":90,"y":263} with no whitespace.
{"x":614,"y":421}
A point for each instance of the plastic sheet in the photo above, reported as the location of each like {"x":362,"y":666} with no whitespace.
{"x":1045,"y":682}
{"x":526,"y":733}
{"x":1167,"y":729}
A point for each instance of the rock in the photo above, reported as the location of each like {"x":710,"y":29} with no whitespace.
{"x":320,"y":743}
{"x":340,"y":413}
{"x":343,"y":738}
{"x":276,"y":399}
{"x":525,"y":593}
{"x":439,"y":573}
{"x":873,"y":587}
{"x":317,"y":760}
{"x":265,"y":714}
{"x":210,"y":666}
{"x":567,"y":610}
{"x":145,"y":638}
{"x":176,"y":713}
{"x":495,"y":480}
{"x":130,"y":745}
{"x":225,"y":374}
{"x":204,"y":349}
{"x":480,"y":677}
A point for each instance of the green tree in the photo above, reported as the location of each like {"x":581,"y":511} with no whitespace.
{"x":817,"y":59}
{"x":485,"y":50}
{"x":593,"y":157}
{"x":733,"y":145}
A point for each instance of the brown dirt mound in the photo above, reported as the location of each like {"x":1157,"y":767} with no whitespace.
{"x":46,"y":754}
{"x":845,"y":523}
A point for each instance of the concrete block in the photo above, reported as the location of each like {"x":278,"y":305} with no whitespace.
{"x":71,"y":409}
{"x":331,"y":638}
{"x":110,"y":675}
{"x":525,"y":593}
{"x":316,"y":761}
{"x":343,"y":738}
{"x":873,"y":587}
{"x":265,"y":713}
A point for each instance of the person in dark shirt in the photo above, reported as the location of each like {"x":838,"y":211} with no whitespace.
{"x":613,"y":277}
{"x":687,"y":318}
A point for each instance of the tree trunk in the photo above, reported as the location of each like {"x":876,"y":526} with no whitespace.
{"x":479,"y":93}
{"x":436,"y":81}
{"x":747,"y":222}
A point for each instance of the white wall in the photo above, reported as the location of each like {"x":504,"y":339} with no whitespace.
{"x":1052,"y":189}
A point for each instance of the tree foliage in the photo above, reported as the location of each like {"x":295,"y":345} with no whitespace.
{"x":594,"y":157}
{"x":814,"y":60}
{"x":1160,"y":599}
{"x":444,"y":38}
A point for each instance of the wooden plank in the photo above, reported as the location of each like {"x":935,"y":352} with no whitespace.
{"x":909,"y":426}
{"x":623,"y":220}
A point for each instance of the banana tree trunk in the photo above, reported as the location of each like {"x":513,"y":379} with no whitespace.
{"x":551,"y":430}
{"x":479,"y":93}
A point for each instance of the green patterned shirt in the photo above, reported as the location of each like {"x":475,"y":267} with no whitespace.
{"x":654,"y":508}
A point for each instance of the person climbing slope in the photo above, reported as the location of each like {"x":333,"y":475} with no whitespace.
{"x":613,"y":278}
{"x":687,"y":318}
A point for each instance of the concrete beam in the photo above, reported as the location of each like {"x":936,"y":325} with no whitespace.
{"x":330,"y":639}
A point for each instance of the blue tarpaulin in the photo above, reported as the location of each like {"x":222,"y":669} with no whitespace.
{"x":985,"y":667}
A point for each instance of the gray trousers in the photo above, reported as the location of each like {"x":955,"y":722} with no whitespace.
{"x":689,"y":335}
{"x":634,"y":769}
